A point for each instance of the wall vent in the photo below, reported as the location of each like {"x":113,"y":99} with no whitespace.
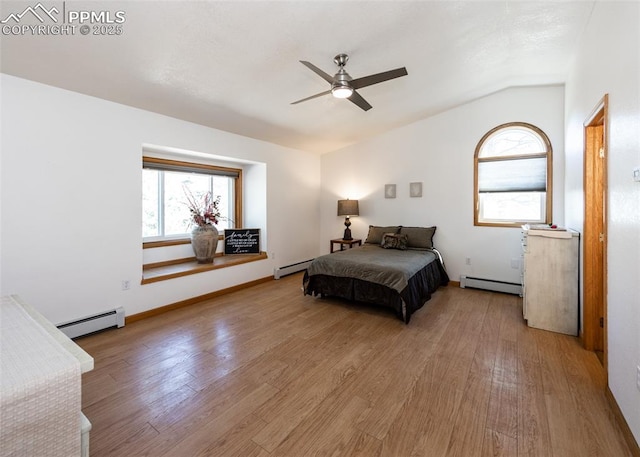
{"x":489,"y":284}
{"x":290,"y":269}
{"x":91,"y":324}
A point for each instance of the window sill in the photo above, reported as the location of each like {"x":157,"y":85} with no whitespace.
{"x":183,"y":267}
{"x":163,"y":243}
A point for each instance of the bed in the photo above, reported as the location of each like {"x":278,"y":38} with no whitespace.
{"x":396,"y":267}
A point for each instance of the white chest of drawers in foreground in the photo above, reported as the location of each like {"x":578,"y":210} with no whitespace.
{"x":550,"y":279}
{"x":40,"y":386}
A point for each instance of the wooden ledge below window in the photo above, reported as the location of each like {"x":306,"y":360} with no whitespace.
{"x":182,"y":267}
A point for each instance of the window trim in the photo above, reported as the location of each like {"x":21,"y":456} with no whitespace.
{"x":549,"y":187}
{"x":176,"y":165}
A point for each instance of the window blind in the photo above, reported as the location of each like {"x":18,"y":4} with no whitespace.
{"x":517,"y":175}
{"x":184,"y":167}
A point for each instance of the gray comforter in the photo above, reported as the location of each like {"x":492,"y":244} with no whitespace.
{"x":388,"y":267}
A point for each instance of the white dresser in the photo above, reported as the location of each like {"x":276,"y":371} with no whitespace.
{"x":40,"y":386}
{"x":550,"y":279}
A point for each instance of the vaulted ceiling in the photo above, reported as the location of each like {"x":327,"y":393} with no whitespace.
{"x":235,"y":65}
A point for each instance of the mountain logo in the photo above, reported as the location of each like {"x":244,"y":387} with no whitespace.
{"x":39,"y":11}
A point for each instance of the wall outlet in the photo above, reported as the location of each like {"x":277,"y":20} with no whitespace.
{"x":468,"y":261}
{"x":126,"y":284}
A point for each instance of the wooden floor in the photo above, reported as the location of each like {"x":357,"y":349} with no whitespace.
{"x":270,"y":372}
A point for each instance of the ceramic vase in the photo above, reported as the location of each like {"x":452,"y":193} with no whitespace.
{"x":204,"y":241}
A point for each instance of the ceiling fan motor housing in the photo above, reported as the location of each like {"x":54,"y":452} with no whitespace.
{"x":341,"y":82}
{"x":341,"y":88}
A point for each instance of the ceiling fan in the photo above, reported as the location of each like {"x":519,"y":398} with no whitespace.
{"x":343,"y":86}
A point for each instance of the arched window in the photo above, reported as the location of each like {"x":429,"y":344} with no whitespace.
{"x":512,"y":180}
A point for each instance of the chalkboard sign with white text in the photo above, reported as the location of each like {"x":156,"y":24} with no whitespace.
{"x":242,"y":241}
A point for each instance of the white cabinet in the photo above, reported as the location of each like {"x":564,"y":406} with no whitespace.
{"x":40,"y":392}
{"x":550,"y":279}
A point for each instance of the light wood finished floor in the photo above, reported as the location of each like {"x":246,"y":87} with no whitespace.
{"x":269,"y":372}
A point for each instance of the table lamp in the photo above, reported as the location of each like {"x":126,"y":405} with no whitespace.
{"x":348,"y":208}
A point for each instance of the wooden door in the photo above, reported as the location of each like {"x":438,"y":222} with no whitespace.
{"x":595,"y":232}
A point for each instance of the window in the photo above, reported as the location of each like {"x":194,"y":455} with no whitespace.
{"x":513,"y":176}
{"x":164,"y":213}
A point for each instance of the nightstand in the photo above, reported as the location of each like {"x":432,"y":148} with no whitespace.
{"x":344,"y":243}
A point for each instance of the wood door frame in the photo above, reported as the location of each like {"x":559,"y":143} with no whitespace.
{"x":595,"y":229}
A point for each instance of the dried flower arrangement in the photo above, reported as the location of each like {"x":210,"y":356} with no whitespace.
{"x":204,"y":211}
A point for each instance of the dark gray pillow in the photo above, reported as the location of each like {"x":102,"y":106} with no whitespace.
{"x":419,"y":237}
{"x":375,"y":233}
{"x":394,"y":241}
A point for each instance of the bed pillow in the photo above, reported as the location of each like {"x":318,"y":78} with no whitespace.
{"x":394,"y":241}
{"x":419,"y":237}
{"x":375,"y":233}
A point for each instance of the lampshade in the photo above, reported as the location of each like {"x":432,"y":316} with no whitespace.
{"x":348,"y":208}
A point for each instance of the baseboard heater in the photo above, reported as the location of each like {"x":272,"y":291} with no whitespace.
{"x":489,"y":284}
{"x":95,"y":323}
{"x":290,"y":269}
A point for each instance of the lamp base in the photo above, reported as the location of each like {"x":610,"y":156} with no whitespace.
{"x":347,"y":230}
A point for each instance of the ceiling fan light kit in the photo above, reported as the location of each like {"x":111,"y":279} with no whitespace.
{"x":341,"y":91}
{"x":343,"y":86}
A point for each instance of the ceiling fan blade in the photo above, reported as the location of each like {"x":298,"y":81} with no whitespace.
{"x":328,"y":78}
{"x":326,"y":92}
{"x":357,"y":99}
{"x":365,"y":81}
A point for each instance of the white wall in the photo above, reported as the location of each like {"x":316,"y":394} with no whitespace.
{"x":439,"y":152}
{"x":608,"y":62}
{"x":71,"y":202}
